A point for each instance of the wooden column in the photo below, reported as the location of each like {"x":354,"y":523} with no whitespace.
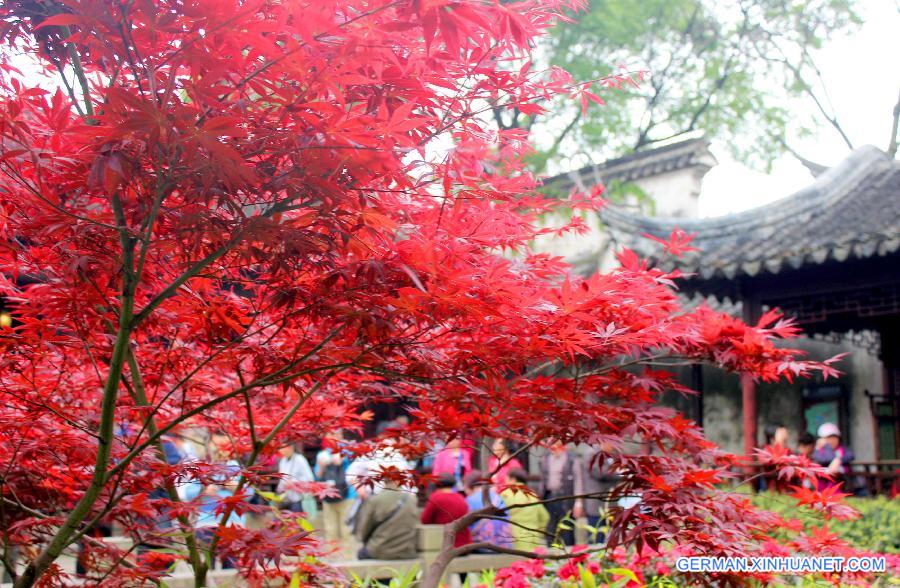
{"x":890,"y":399}
{"x":748,"y":401}
{"x":751,"y":310}
{"x":697,"y":386}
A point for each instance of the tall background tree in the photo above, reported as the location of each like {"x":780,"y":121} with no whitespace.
{"x":738,"y":71}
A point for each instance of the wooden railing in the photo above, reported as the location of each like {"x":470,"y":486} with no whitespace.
{"x":865,"y":478}
{"x":874,"y":477}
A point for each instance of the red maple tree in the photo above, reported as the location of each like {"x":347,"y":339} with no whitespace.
{"x":228,"y":215}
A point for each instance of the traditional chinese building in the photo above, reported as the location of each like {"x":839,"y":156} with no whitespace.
{"x":664,"y":181}
{"x":829,"y":256}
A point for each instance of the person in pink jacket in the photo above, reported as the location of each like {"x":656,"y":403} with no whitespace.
{"x":500,"y":464}
{"x":454,"y":461}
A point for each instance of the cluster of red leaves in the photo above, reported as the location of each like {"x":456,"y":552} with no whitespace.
{"x":231,"y":220}
{"x":643,"y":566}
{"x":520,"y":574}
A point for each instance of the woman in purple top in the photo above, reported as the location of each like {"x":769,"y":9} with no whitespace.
{"x":831,"y":454}
{"x":493,"y":531}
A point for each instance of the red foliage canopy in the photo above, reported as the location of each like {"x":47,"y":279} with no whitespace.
{"x":229,"y":214}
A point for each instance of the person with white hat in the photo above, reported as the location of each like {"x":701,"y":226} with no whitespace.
{"x":831,"y":454}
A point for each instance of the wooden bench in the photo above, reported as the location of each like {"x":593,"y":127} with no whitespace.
{"x":376,"y":569}
{"x":429,"y":542}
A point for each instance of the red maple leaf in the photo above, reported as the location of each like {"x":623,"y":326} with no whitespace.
{"x":677,"y":244}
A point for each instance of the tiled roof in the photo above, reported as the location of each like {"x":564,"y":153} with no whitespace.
{"x":850,"y":211}
{"x":642,"y":164}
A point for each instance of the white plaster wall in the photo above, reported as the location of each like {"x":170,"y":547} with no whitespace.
{"x":722,"y":420}
{"x":867,"y":375}
{"x":674,"y":194}
{"x":861,"y":370}
{"x":571,"y":246}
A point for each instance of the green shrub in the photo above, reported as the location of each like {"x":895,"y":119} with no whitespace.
{"x":877,"y":529}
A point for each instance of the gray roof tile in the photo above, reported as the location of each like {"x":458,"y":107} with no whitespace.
{"x":850,"y":211}
{"x":642,"y":164}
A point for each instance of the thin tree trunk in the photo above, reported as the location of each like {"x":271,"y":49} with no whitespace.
{"x":140,"y":397}
{"x":70,"y":526}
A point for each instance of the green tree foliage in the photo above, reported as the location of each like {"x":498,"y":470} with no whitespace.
{"x":731,"y":69}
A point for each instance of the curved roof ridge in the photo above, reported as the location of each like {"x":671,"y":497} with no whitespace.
{"x":638,"y":165}
{"x":850,"y":212}
{"x":824,"y":190}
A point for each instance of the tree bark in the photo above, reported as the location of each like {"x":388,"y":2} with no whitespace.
{"x":63,"y":536}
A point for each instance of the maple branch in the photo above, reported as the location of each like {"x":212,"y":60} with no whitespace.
{"x":68,"y":86}
{"x":230,"y":345}
{"x":250,"y":420}
{"x":251,"y":461}
{"x":44,"y":516}
{"x":79,"y":73}
{"x":512,"y":456}
{"x":138,"y":449}
{"x":895,"y":123}
{"x":448,"y":552}
{"x":123,"y":560}
{"x":467,"y":549}
{"x":244,"y":388}
{"x":7,"y":166}
{"x":163,"y":189}
{"x":267,"y":65}
{"x":639,"y":361}
{"x":127,"y":44}
{"x":140,"y":397}
{"x":270,"y":379}
{"x":604,"y":495}
{"x":53,"y":411}
{"x":173,"y":287}
{"x":54,"y":548}
{"x":181,"y":48}
{"x":202,"y":264}
{"x":7,"y":563}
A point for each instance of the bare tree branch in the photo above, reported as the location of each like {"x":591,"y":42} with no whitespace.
{"x":815,"y":168}
{"x":892,"y":144}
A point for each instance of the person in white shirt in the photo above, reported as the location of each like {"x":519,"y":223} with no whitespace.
{"x":365,"y":468}
{"x":362,"y":476}
{"x":294,"y":469}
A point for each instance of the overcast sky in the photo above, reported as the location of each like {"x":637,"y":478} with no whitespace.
{"x":862,"y":74}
